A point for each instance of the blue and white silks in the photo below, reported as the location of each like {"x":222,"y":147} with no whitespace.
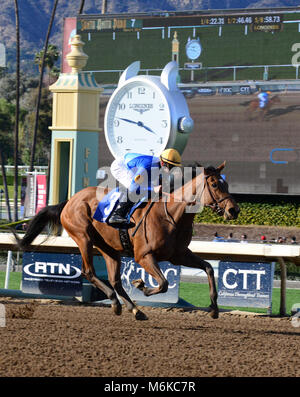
{"x":109,"y":202}
{"x":125,"y":171}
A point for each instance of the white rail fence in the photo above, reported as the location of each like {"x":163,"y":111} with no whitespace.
{"x":226,"y":251}
{"x":264,"y":70}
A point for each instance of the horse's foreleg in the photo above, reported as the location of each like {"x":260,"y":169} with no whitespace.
{"x":150,"y":265}
{"x":113,"y":270}
{"x":187,"y":258}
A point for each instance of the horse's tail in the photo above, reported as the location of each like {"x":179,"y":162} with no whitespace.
{"x":49,"y":215}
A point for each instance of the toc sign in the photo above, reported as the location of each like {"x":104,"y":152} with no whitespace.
{"x":245,"y":284}
{"x":130,"y":271}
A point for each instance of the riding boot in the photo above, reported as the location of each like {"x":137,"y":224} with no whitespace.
{"x":120,"y":214}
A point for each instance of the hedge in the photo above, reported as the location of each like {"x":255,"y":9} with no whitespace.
{"x":266,"y":214}
{"x":10,"y":179}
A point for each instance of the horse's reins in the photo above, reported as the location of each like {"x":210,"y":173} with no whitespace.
{"x":143,"y":217}
{"x":147,"y":212}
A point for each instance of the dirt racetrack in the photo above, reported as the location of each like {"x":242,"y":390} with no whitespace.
{"x":51,"y":339}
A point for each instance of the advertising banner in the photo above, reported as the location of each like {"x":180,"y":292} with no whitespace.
{"x":35,"y":194}
{"x":245,"y":284}
{"x":130,"y":271}
{"x":30,"y":196}
{"x":52,"y":274}
{"x":41,"y":188}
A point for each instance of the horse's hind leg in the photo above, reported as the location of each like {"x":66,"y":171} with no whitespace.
{"x":113,"y":270}
{"x":187,"y":258}
{"x":86,"y":249}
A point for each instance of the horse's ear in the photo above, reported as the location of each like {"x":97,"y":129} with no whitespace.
{"x":221,"y":166}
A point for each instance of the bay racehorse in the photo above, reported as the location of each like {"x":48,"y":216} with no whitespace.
{"x":164,"y":234}
{"x":254,"y":106}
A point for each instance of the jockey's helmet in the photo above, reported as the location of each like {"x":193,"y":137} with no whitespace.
{"x":171,"y":156}
{"x":269,"y":92}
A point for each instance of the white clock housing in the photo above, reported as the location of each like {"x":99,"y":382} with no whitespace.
{"x":146,"y":114}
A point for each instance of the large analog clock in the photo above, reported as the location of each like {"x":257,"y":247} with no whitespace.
{"x":193,"y":49}
{"x":147,"y":114}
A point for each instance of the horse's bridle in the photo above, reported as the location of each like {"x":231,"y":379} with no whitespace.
{"x":215,"y":206}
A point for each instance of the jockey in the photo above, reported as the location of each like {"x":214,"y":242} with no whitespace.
{"x":263,"y":98}
{"x":134,"y":169}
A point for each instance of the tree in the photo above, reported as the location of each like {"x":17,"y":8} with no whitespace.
{"x":2,"y":164}
{"x":16,"y":151}
{"x":7,"y":116}
{"x":43,"y":144}
{"x":81,"y":6}
{"x":32,"y":158}
{"x":8,"y":86}
{"x":7,"y":112}
{"x":50,"y":58}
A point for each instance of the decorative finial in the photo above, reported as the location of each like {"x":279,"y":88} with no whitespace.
{"x":77,"y":59}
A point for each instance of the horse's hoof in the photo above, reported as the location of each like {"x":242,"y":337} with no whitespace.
{"x":147,"y":291}
{"x":140,"y":316}
{"x":117,"y":309}
{"x":139,"y":284}
{"x":214,"y":313}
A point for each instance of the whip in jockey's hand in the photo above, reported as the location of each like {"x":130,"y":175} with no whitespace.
{"x":134,"y":172}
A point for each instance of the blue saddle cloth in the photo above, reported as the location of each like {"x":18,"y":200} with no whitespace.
{"x":108,"y":203}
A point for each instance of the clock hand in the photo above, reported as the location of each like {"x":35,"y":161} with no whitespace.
{"x":128,"y":121}
{"x":139,"y":123}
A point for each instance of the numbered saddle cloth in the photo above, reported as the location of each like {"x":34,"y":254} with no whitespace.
{"x":108,"y":203}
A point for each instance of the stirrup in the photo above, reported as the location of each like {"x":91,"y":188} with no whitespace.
{"x":120,"y":223}
{"x":115,"y":218}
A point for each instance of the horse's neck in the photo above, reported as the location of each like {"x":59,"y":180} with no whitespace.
{"x":174,"y":209}
{"x":184,"y":198}
{"x":192,"y":190}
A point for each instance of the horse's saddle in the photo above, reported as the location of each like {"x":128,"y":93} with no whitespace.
{"x":104,"y":210}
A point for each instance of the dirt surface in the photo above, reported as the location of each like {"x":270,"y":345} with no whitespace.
{"x":74,"y":339}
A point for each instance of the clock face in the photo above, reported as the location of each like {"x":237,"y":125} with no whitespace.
{"x":137,"y":120}
{"x":193,"y":49}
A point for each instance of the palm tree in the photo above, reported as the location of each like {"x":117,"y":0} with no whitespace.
{"x":2,"y":163}
{"x":81,"y":6}
{"x":50,"y":58}
{"x":104,"y":6}
{"x":16,"y":151}
{"x":40,"y":87}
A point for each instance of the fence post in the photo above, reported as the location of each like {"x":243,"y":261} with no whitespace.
{"x":283,"y":286}
{"x":8,"y":266}
{"x":265,"y":77}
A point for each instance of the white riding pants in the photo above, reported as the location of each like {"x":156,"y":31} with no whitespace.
{"x":122,"y":173}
